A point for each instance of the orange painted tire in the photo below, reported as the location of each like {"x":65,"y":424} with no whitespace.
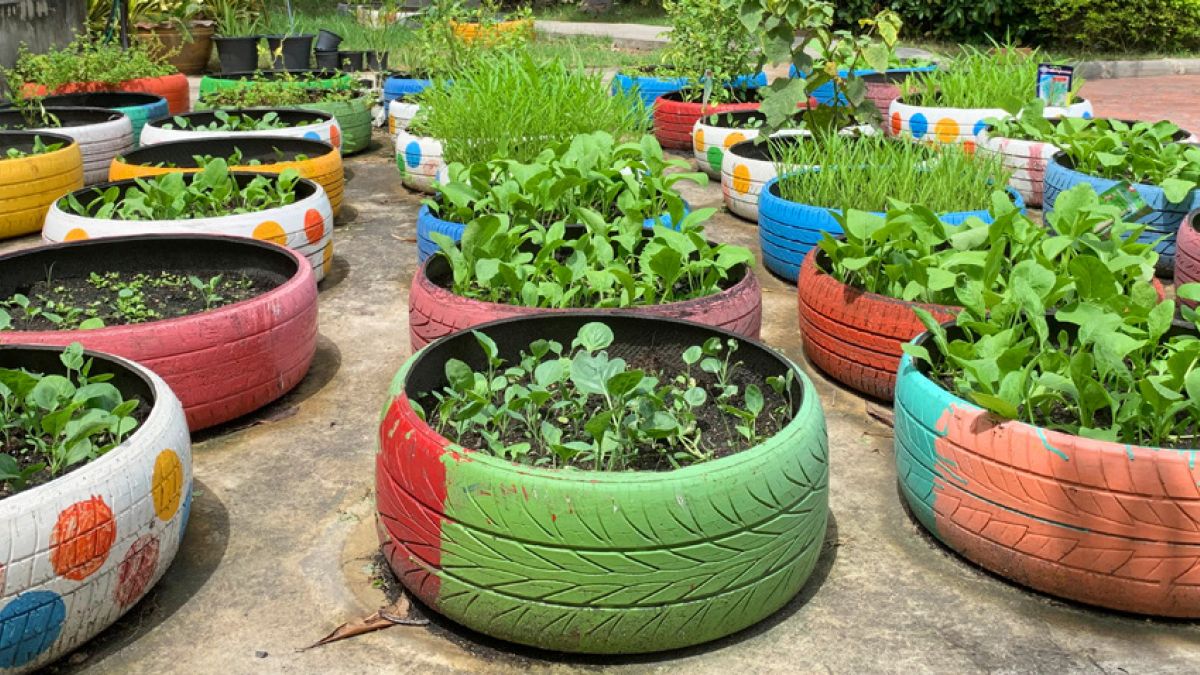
{"x":434,"y":311}
{"x":854,"y":336}
{"x":173,"y":87}
{"x":29,"y":185}
{"x":674,"y":118}
{"x":470,"y":32}
{"x":323,"y":164}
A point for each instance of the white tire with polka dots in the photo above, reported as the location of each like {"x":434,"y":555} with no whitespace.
{"x":305,"y":225}
{"x":1026,"y":159}
{"x":400,"y":114}
{"x":711,"y":143}
{"x":419,"y":159}
{"x":80,"y":550}
{"x":311,"y":124}
{"x":957,"y":125}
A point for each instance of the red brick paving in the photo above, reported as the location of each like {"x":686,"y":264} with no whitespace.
{"x":1172,"y":97}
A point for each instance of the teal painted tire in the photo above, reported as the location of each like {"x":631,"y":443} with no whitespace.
{"x":595,"y":562}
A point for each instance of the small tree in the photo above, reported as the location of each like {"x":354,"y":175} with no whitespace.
{"x":706,"y":47}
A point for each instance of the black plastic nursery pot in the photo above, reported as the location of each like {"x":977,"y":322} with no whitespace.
{"x":290,"y":52}
{"x":327,"y":41}
{"x":351,"y":61}
{"x":327,"y":59}
{"x":237,"y":54}
{"x":377,"y":61}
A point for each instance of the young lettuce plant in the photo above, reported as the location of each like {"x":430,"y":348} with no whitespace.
{"x":1139,"y":153}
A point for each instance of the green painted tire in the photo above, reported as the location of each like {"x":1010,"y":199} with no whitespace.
{"x":353,"y":117}
{"x":594,"y":562}
{"x":210,"y":83}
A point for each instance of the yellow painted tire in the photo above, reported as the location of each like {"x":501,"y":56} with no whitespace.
{"x":323,"y":164}
{"x":29,"y":185}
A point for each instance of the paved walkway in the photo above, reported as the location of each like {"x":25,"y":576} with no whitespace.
{"x":1172,"y":97}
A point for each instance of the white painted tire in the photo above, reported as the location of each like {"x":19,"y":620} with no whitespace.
{"x":99,"y":143}
{"x":79,"y":551}
{"x":326,"y":129}
{"x":957,"y":125}
{"x":710,"y":144}
{"x":742,"y":179}
{"x":419,"y":159}
{"x":400,"y":114}
{"x":305,"y":225}
{"x":1027,"y":159}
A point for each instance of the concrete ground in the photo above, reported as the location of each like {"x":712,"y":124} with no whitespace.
{"x":280,"y":547}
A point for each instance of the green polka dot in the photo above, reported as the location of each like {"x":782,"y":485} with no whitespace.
{"x":715,"y":155}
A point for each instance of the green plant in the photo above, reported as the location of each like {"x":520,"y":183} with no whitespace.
{"x":236,"y":17}
{"x":513,"y":106}
{"x":1002,"y":77}
{"x":957,"y":21}
{"x":39,"y":147}
{"x":54,"y":422}
{"x":209,"y":193}
{"x":87,"y":61}
{"x":208,"y":289}
{"x":866,"y":172}
{"x":707,"y":48}
{"x":236,"y":121}
{"x":912,"y":255}
{"x":287,"y":90}
{"x":1139,"y":153}
{"x":1132,"y":25}
{"x":584,"y":408}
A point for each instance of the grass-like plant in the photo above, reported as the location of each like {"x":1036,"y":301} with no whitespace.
{"x":513,"y":106}
{"x":865,"y":173}
{"x":1002,"y":77}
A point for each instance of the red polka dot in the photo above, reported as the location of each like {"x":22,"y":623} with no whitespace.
{"x":82,"y":538}
{"x":895,"y":124}
{"x":335,"y":137}
{"x":136,"y":570}
{"x":314,"y":226}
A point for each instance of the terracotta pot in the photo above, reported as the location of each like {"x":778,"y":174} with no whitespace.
{"x":193,"y":55}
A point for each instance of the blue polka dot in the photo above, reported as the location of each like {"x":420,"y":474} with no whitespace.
{"x":312,"y":135}
{"x":187,"y":512}
{"x":979,"y":126}
{"x":1087,"y":115}
{"x":28,"y":626}
{"x":412,"y":154}
{"x":918,"y":125}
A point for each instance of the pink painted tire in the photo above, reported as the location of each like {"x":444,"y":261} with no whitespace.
{"x":1027,"y":159}
{"x":434,"y":312}
{"x":221,"y":363}
{"x":1187,"y":251}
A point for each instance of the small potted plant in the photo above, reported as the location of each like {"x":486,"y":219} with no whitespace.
{"x":139,"y":108}
{"x":100,"y":134}
{"x":1140,"y":157}
{"x":36,"y":168}
{"x":605,"y":457}
{"x":229,"y":322}
{"x":317,"y":161}
{"x":243,"y":123}
{"x":95,"y":487}
{"x":290,"y":52}
{"x":284,"y":209}
{"x":237,"y":37}
{"x":178,"y":31}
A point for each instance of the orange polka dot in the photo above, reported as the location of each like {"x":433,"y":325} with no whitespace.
{"x":698,"y":140}
{"x":76,"y":234}
{"x":167,"y":484}
{"x":314,"y":226}
{"x":327,"y":259}
{"x":335,"y":137}
{"x":81,"y":538}
{"x":741,"y":178}
{"x":895,"y":124}
{"x":946,"y":130}
{"x":735,"y":137}
{"x":969,"y":147}
{"x":269,"y":230}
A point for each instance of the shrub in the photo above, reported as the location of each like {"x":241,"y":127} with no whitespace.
{"x":706,"y":42}
{"x":972,"y":21}
{"x":1158,"y":25}
{"x":82,"y":61}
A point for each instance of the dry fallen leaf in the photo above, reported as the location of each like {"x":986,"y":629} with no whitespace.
{"x":392,"y":615}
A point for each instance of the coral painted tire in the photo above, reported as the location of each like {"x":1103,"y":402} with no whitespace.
{"x":174,"y":88}
{"x":435,"y":312}
{"x":419,"y":160}
{"x":674,"y":119}
{"x":81,"y":550}
{"x":29,"y":185}
{"x":1187,"y":255}
{"x":853,"y":336}
{"x":601,"y":562}
{"x":325,"y":129}
{"x":1026,"y":159}
{"x":221,"y":363}
{"x":1095,"y":522}
{"x":305,"y":225}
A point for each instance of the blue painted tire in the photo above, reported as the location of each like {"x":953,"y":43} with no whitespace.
{"x":395,"y":87}
{"x":1163,"y":221}
{"x":788,"y":230}
{"x":428,"y":223}
{"x":650,"y":88}
{"x":824,"y":93}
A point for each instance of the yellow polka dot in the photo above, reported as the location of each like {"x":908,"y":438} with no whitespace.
{"x":946,"y":130}
{"x":77,"y":234}
{"x":698,"y":140}
{"x":735,"y":137}
{"x":269,"y":230}
{"x":167,"y":484}
{"x":741,"y":178}
{"x":327,"y":258}
{"x":391,"y":125}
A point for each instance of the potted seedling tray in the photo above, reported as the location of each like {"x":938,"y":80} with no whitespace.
{"x":435,"y":310}
{"x":305,"y":223}
{"x":455,"y":515}
{"x":650,"y":86}
{"x":83,"y":543}
{"x":299,"y":78}
{"x":101,"y":134}
{"x":674,"y":116}
{"x":240,"y":336}
{"x":140,"y":108}
{"x":174,"y":88}
{"x":958,"y":125}
{"x":244,"y":123}
{"x":419,"y":160}
{"x":36,"y":168}
{"x":402,"y":84}
{"x":317,"y":161}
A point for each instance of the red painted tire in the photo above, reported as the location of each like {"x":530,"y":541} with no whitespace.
{"x":174,"y":88}
{"x":1187,"y":251}
{"x":855,"y":336}
{"x":221,"y":363}
{"x":434,"y":312}
{"x":674,"y":119}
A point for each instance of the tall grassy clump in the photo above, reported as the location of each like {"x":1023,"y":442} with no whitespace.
{"x":864,"y":173}
{"x":512,"y":106}
{"x":998,"y":78}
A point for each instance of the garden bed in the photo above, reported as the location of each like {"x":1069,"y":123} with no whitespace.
{"x":140,"y":108}
{"x":958,"y":125}
{"x":674,"y":117}
{"x":745,"y":169}
{"x":276,"y":122}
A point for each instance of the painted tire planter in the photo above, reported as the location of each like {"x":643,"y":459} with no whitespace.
{"x":222,"y":363}
{"x":310,"y":124}
{"x":29,"y":185}
{"x":1163,"y":221}
{"x":434,"y":311}
{"x":140,"y":108}
{"x":419,"y":160}
{"x":174,"y":88}
{"x":452,"y":522}
{"x":353,"y":119}
{"x":1027,"y":159}
{"x":1092,"y":521}
{"x":745,"y":169}
{"x":308,"y":79}
{"x":399,"y":85}
{"x":305,"y":225}
{"x":712,"y":142}
{"x":958,"y":125}
{"x":855,"y":336}
{"x":1187,"y":256}
{"x":323,"y":163}
{"x":428,"y":223}
{"x":101,"y":135}
{"x":674,"y":118}
{"x":649,"y":87}
{"x":883,"y":88}
{"x":81,"y":550}
{"x":469,"y":31}
{"x":788,"y":230}
{"x":400,"y":114}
